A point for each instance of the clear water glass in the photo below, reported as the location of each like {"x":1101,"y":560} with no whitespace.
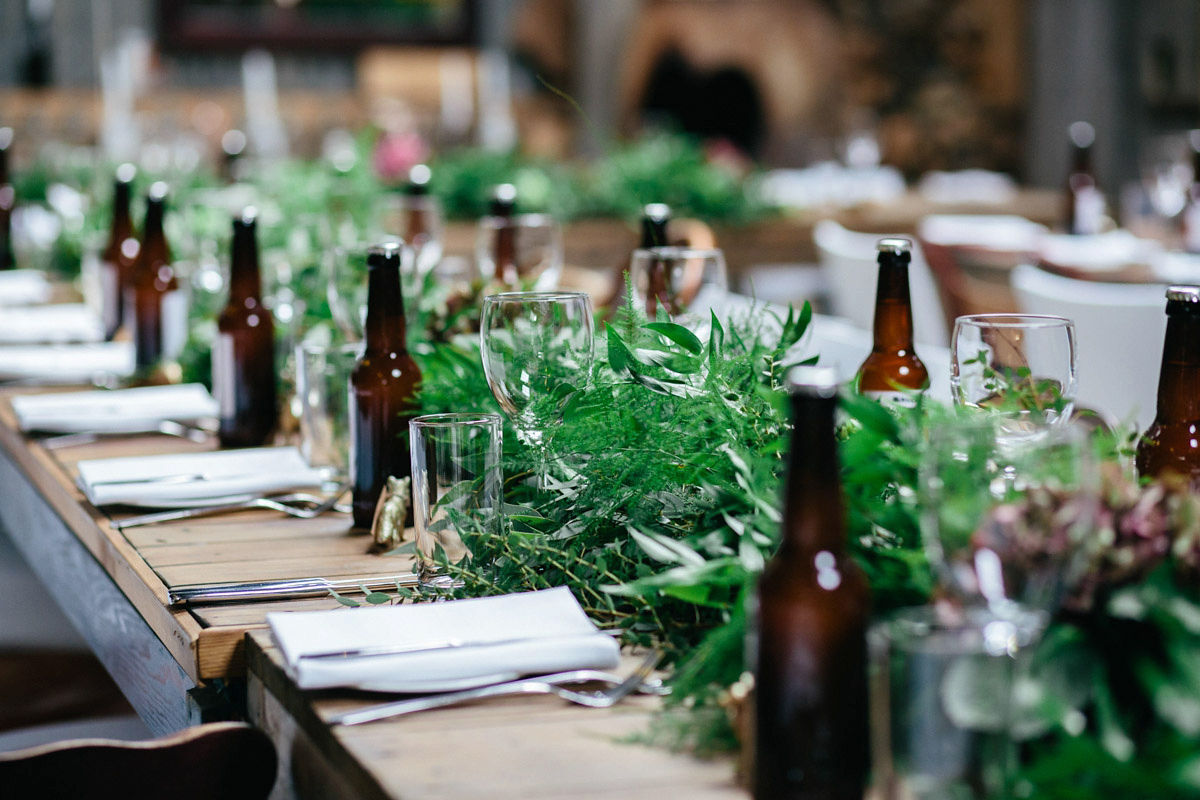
{"x":323,"y":389}
{"x":539,"y":249}
{"x":686,"y":283}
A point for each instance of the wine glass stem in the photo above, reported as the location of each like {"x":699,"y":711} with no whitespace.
{"x":536,"y":442}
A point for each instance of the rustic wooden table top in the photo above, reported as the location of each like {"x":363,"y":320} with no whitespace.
{"x":145,"y":562}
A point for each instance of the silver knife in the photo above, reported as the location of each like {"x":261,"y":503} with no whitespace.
{"x":249,"y":591}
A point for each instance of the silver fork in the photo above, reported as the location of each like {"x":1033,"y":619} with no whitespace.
{"x":549,"y":684}
{"x":304,"y":506}
{"x":167,"y":427}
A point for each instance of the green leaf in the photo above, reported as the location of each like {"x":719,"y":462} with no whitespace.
{"x":620,"y":359}
{"x":716,"y":339}
{"x":677,"y":334}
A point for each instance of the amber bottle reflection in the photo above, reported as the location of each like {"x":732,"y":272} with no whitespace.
{"x":1084,"y":202}
{"x":655,"y":217}
{"x":243,"y":357}
{"x":120,"y":252}
{"x":420,"y":227}
{"x":504,"y":246}
{"x":1170,"y":444}
{"x":159,"y":308}
{"x":813,"y":610}
{"x":8,"y":199}
{"x":383,"y":388}
{"x":893,"y":366}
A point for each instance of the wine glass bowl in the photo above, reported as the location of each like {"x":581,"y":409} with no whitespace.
{"x":684,"y":282}
{"x":1006,"y":525}
{"x":345,"y":269}
{"x":1021,"y":366}
{"x":537,"y":349}
{"x":537,"y":246}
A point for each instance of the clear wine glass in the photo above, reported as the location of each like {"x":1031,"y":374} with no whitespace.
{"x":687,"y":283}
{"x":417,"y":219}
{"x":538,"y":245}
{"x":1005,"y":523}
{"x":537,"y":349}
{"x":1021,"y":366}
{"x":346,"y":286}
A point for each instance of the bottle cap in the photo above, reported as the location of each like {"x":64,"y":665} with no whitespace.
{"x":385,"y":254}
{"x":418,"y":179}
{"x":233,"y":143}
{"x":126,"y":173}
{"x":1183,"y":294}
{"x":658,"y":212}
{"x":6,"y":138}
{"x":248,"y":218}
{"x":813,"y":381}
{"x":895,"y":246}
{"x":158,"y":192}
{"x":1082,"y":134}
{"x":504,"y":200}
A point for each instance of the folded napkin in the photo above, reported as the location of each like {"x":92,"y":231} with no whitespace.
{"x":976,"y":186}
{"x":1004,"y":233}
{"x":451,"y":645}
{"x":195,"y":478}
{"x":117,"y":410}
{"x":66,"y":363}
{"x":68,"y":322}
{"x":1100,"y":252}
{"x":23,"y":287}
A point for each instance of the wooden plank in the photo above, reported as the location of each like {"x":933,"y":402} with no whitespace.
{"x":283,"y":568}
{"x":51,"y":489}
{"x":147,"y":669}
{"x":259,"y":526}
{"x":528,"y":747}
{"x":251,"y":614}
{"x":308,"y":549}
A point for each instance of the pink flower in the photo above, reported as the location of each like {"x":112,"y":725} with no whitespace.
{"x":397,"y":153}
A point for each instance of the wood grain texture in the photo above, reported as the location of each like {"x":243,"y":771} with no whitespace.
{"x":521,"y":747}
{"x":144,"y":562}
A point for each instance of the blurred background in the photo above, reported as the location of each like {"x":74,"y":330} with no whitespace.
{"x":917,"y":84}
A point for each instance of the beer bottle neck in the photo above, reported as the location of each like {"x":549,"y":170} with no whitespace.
{"x":245,"y":282}
{"x":385,"y":326}
{"x":505,"y":254}
{"x":814,"y":517}
{"x":893,"y":306}
{"x":1081,"y":161}
{"x":1179,"y":380}
{"x":654,"y":232}
{"x":121,"y":224}
{"x":152,"y":231}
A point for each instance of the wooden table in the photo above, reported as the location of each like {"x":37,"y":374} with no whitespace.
{"x":179,"y":667}
{"x":176,"y":666}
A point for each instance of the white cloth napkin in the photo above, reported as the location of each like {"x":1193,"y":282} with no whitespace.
{"x":1005,"y":233}
{"x":68,"y":322}
{"x":1100,"y":252}
{"x":66,"y":363}
{"x":23,"y":287}
{"x":974,"y":186}
{"x":117,"y":410}
{"x":195,"y":478}
{"x":455,"y":644}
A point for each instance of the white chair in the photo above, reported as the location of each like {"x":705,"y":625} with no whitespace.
{"x":1119,"y":330}
{"x":848,"y":261}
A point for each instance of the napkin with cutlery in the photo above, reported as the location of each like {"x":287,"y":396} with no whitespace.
{"x":183,"y":479}
{"x":23,"y":287}
{"x":432,"y":647}
{"x":66,"y":363}
{"x":117,"y":410}
{"x":68,"y":322}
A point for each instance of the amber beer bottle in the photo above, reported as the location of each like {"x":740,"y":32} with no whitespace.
{"x":813,"y":610}
{"x":504,"y":247}
{"x":383,"y":388}
{"x":119,"y":255}
{"x":893,"y":366}
{"x":1085,"y":207}
{"x":8,"y":199}
{"x":159,"y":307}
{"x":420,"y":227}
{"x":655,"y":217}
{"x":243,"y":356}
{"x":1170,"y":443}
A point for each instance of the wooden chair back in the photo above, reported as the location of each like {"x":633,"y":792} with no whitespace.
{"x":226,"y":760}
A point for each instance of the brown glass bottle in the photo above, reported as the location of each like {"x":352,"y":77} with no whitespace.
{"x":504,"y":246}
{"x":813,"y":610}
{"x":893,"y":366}
{"x":420,"y":227}
{"x":119,"y":254}
{"x":8,"y":199}
{"x":159,"y":308}
{"x":243,"y":356}
{"x":1084,"y":202}
{"x":655,"y":217}
{"x":383,"y":388}
{"x":1172,"y":442}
